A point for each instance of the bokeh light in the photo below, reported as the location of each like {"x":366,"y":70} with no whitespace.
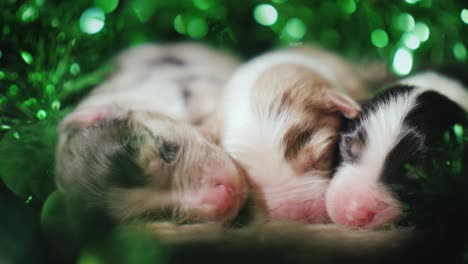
{"x":347,"y":6}
{"x":404,"y":22}
{"x":75,"y":69}
{"x":295,"y":28}
{"x":402,"y":62}
{"x":379,"y":38}
{"x":459,"y":51}
{"x":464,"y":16}
{"x":13,"y":90}
{"x":197,"y":28}
{"x":28,"y":13}
{"x":27,"y":57}
{"x":412,"y":2}
{"x":107,"y":6}
{"x":92,"y":20}
{"x":265,"y":14}
{"x":421,"y":30}
{"x":55,"y":105}
{"x":179,"y":24}
{"x":410,"y":41}
{"x":203,"y":4}
{"x":41,"y":114}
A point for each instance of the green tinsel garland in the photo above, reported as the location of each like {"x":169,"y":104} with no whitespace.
{"x":52,"y":52}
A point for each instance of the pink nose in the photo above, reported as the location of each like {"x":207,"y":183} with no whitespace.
{"x":221,"y":198}
{"x":362,"y":210}
{"x":361,"y":214}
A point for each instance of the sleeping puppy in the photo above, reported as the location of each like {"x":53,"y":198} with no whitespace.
{"x":129,"y":151}
{"x":396,"y":128}
{"x":280,"y":118}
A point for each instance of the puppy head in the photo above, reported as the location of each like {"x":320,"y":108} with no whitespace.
{"x":141,"y":165}
{"x":299,"y":117}
{"x":396,"y":128}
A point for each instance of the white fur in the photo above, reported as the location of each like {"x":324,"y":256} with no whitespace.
{"x":247,"y":132}
{"x":433,"y":81}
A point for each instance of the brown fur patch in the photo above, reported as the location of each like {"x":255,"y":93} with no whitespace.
{"x":302,"y":94}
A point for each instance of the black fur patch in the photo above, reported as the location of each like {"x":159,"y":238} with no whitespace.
{"x":355,"y":137}
{"x":432,"y":115}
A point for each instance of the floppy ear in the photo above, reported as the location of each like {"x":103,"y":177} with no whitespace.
{"x":338,"y":102}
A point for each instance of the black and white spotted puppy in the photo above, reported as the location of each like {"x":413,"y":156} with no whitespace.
{"x":396,"y":128}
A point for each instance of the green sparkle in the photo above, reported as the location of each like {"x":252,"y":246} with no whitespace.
{"x":410,"y":40}
{"x":30,"y":102}
{"x":2,"y":75}
{"x":347,"y":6}
{"x":29,"y":199}
{"x":459,"y":51}
{"x":265,"y":14}
{"x":402,"y":62}
{"x":144,"y":9}
{"x":412,"y":2}
{"x":27,"y":57}
{"x":197,"y":28}
{"x":296,"y":28}
{"x":55,"y":105}
{"x":379,"y":38}
{"x":75,"y":69}
{"x":203,"y":4}
{"x":458,"y":130}
{"x":464,"y":16}
{"x":421,"y":31}
{"x":107,"y":6}
{"x":404,"y":22}
{"x":40,"y":2}
{"x":41,"y":114}
{"x":55,"y":23}
{"x":5,"y":127}
{"x":179,"y":24}
{"x":28,"y":13}
{"x":447,"y":162}
{"x":92,"y":20}
{"x":13,"y":90}
{"x":49,"y":89}
{"x":16,"y":135}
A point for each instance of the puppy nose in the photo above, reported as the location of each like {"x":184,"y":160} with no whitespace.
{"x":360,"y":214}
{"x":219,"y":200}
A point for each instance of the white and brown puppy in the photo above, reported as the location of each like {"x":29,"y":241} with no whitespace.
{"x":280,"y":118}
{"x":396,"y":128}
{"x":129,"y":150}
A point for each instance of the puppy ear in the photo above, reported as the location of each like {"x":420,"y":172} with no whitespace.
{"x":342,"y":103}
